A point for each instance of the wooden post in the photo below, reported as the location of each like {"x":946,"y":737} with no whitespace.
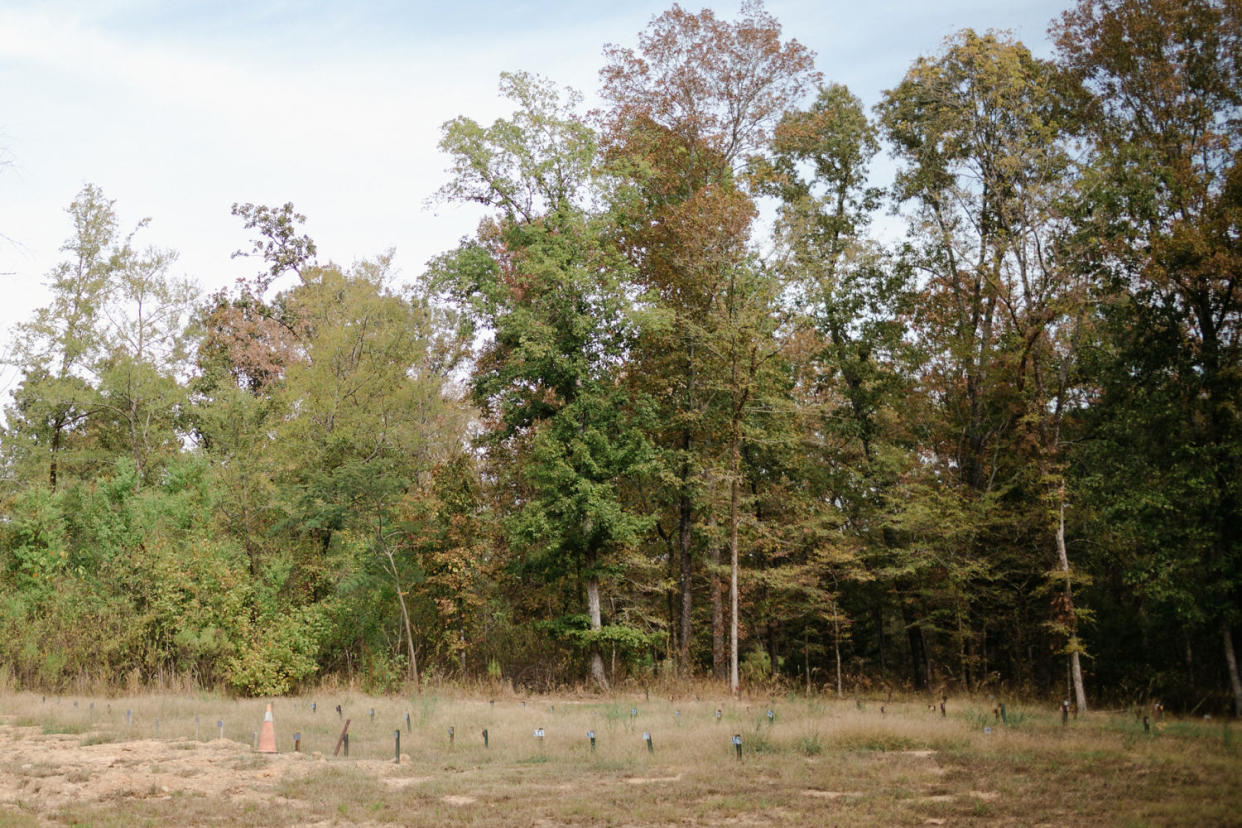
{"x":647,"y":739}
{"x":737,"y":743}
{"x":344,"y":740}
{"x":297,"y":742}
{"x":591,"y":736}
{"x":485,"y":737}
{"x":397,"y":736}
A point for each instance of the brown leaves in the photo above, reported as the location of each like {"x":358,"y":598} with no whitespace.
{"x":709,"y":82}
{"x":249,"y":339}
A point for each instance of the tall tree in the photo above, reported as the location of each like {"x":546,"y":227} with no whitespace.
{"x":849,"y":358}
{"x":541,"y":279}
{"x":695,"y":100}
{"x":147,"y":354}
{"x":983,"y":131}
{"x":1164,"y":211}
{"x":366,"y":416}
{"x":58,"y":350}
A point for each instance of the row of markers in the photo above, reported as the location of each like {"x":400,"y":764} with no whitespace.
{"x":129,"y":719}
{"x":539,"y":734}
{"x":771,"y":714}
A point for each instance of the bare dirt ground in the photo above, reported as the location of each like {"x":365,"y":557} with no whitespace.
{"x":84,"y":762}
{"x":45,"y":773}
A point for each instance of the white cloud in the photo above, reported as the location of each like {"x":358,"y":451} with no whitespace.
{"x":178,"y":109}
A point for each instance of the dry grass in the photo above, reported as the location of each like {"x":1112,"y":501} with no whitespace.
{"x":819,"y":762}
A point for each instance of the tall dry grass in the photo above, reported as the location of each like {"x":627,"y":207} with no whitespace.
{"x":813,"y":761}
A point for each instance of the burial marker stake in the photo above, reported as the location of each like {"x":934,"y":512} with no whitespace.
{"x":737,"y":743}
{"x":344,"y":740}
{"x":647,"y":739}
{"x":396,"y":734}
{"x":485,"y":737}
{"x":591,"y":736}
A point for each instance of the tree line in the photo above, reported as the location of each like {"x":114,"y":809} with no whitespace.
{"x":631,"y":428}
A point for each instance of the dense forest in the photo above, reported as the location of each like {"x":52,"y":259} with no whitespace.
{"x":680,"y":408}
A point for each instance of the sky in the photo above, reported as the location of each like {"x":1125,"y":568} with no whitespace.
{"x":178,"y":109}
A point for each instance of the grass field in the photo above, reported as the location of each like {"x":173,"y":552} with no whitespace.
{"x":159,"y":760}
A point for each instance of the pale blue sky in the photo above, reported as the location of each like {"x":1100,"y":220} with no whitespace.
{"x":178,"y":109}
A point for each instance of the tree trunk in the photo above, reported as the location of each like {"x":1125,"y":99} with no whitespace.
{"x":412,"y":672}
{"x":1080,"y":693}
{"x":735,"y":463}
{"x":57,"y":425}
{"x":806,"y":659}
{"x":918,"y":656}
{"x":593,"y":611}
{"x":461,"y":637}
{"x":720,"y":667}
{"x":836,"y":648}
{"x":1231,"y":661}
{"x":719,"y":657}
{"x":684,"y":540}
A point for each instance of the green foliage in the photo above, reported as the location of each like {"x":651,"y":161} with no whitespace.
{"x":280,"y":650}
{"x":1009,"y":443}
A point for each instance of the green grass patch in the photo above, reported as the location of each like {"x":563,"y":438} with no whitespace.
{"x":98,"y":738}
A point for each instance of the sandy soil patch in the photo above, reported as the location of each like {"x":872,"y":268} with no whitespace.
{"x":44,"y":772}
{"x":646,"y":780}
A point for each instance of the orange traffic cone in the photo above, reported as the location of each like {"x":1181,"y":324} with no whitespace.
{"x":267,"y":736}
